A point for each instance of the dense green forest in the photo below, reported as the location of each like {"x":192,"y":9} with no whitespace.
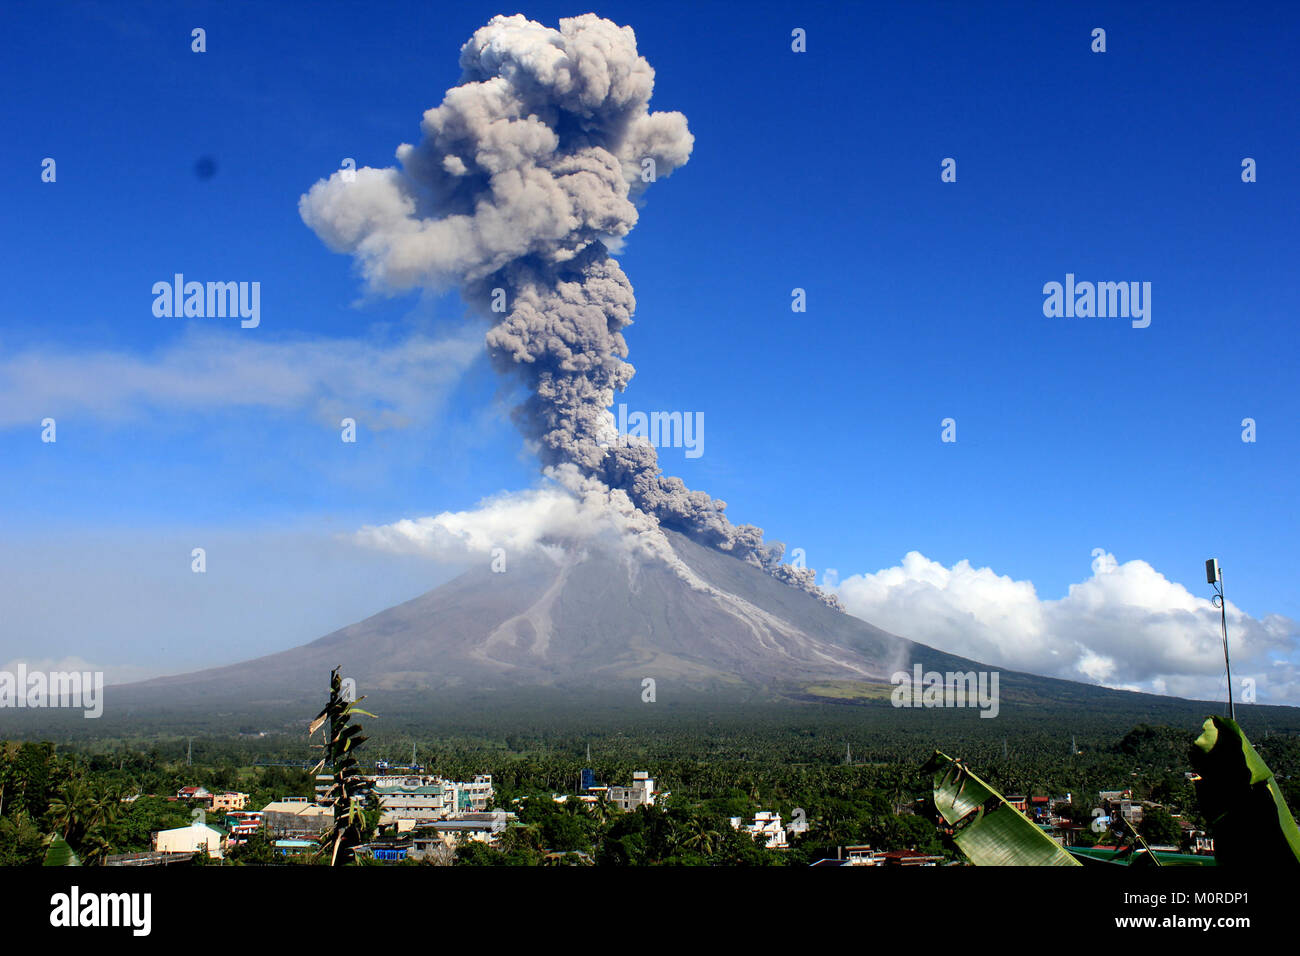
{"x":774,"y":759}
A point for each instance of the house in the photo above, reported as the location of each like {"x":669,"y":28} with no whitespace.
{"x":911,"y":858}
{"x":766,"y":827}
{"x":386,"y":851}
{"x":1119,"y":805}
{"x":642,"y":793}
{"x":190,"y":839}
{"x":230,"y":800}
{"x":242,"y":824}
{"x":293,"y":847}
{"x":853,"y":856}
{"x":1020,"y":803}
{"x":1198,"y":841}
{"x":483,"y":827}
{"x":195,"y":794}
{"x":433,"y":840}
{"x":296,"y":817}
{"x":148,"y":859}
{"x":475,"y":795}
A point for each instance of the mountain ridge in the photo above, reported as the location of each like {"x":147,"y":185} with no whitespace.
{"x":595,"y":620}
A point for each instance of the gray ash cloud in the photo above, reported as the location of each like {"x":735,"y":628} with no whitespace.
{"x":523,"y":178}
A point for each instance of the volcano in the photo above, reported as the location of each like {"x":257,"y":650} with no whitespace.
{"x":580,"y":628}
{"x":589,"y":617}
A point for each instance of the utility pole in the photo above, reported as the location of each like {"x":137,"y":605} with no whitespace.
{"x":1214,"y":576}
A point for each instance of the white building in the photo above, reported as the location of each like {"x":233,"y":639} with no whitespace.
{"x":483,"y":827}
{"x":421,"y":798}
{"x":189,"y":839}
{"x":766,"y":827}
{"x":642,"y":793}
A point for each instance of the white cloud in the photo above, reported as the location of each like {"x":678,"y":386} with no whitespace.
{"x":566,"y":511}
{"x":519,"y":521}
{"x":1126,"y":625}
{"x":389,"y":384}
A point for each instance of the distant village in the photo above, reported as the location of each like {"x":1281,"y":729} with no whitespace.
{"x":425,"y":818}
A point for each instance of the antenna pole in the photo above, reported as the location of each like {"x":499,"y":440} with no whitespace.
{"x":1214,"y":574}
{"x":1223,"y":621}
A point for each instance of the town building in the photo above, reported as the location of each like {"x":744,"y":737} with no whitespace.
{"x":419,"y":798}
{"x":242,"y":824}
{"x":217,"y":802}
{"x":1119,"y":804}
{"x":642,"y":793}
{"x":911,"y":858}
{"x":482,"y":827}
{"x":296,"y":817}
{"x":853,"y":856}
{"x":229,"y":800}
{"x":148,"y":859}
{"x":866,"y":856}
{"x":766,"y":827}
{"x":433,"y":840}
{"x":190,"y":839}
{"x":588,"y":798}
{"x":292,"y":847}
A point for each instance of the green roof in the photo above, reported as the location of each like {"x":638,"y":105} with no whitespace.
{"x":1162,"y":856}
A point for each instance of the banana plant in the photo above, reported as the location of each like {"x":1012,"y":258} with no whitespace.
{"x":986,"y":828}
{"x":1240,"y":800}
{"x":59,"y":853}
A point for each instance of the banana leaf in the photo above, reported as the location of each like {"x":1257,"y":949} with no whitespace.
{"x":60,"y":854}
{"x":1240,"y":800}
{"x":986,"y":828}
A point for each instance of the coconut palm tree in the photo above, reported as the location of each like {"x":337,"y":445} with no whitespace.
{"x":701,"y":835}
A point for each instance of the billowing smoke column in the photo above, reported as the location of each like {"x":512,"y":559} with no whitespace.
{"x":524,"y":176}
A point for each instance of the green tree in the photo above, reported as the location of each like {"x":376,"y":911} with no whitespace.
{"x":1159,"y":826}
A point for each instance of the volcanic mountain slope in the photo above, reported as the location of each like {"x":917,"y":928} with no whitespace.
{"x":589,"y":618}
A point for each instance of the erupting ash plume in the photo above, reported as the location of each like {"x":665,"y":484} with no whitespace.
{"x":525,"y":174}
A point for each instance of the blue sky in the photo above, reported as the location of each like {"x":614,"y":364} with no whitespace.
{"x":817,"y":170}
